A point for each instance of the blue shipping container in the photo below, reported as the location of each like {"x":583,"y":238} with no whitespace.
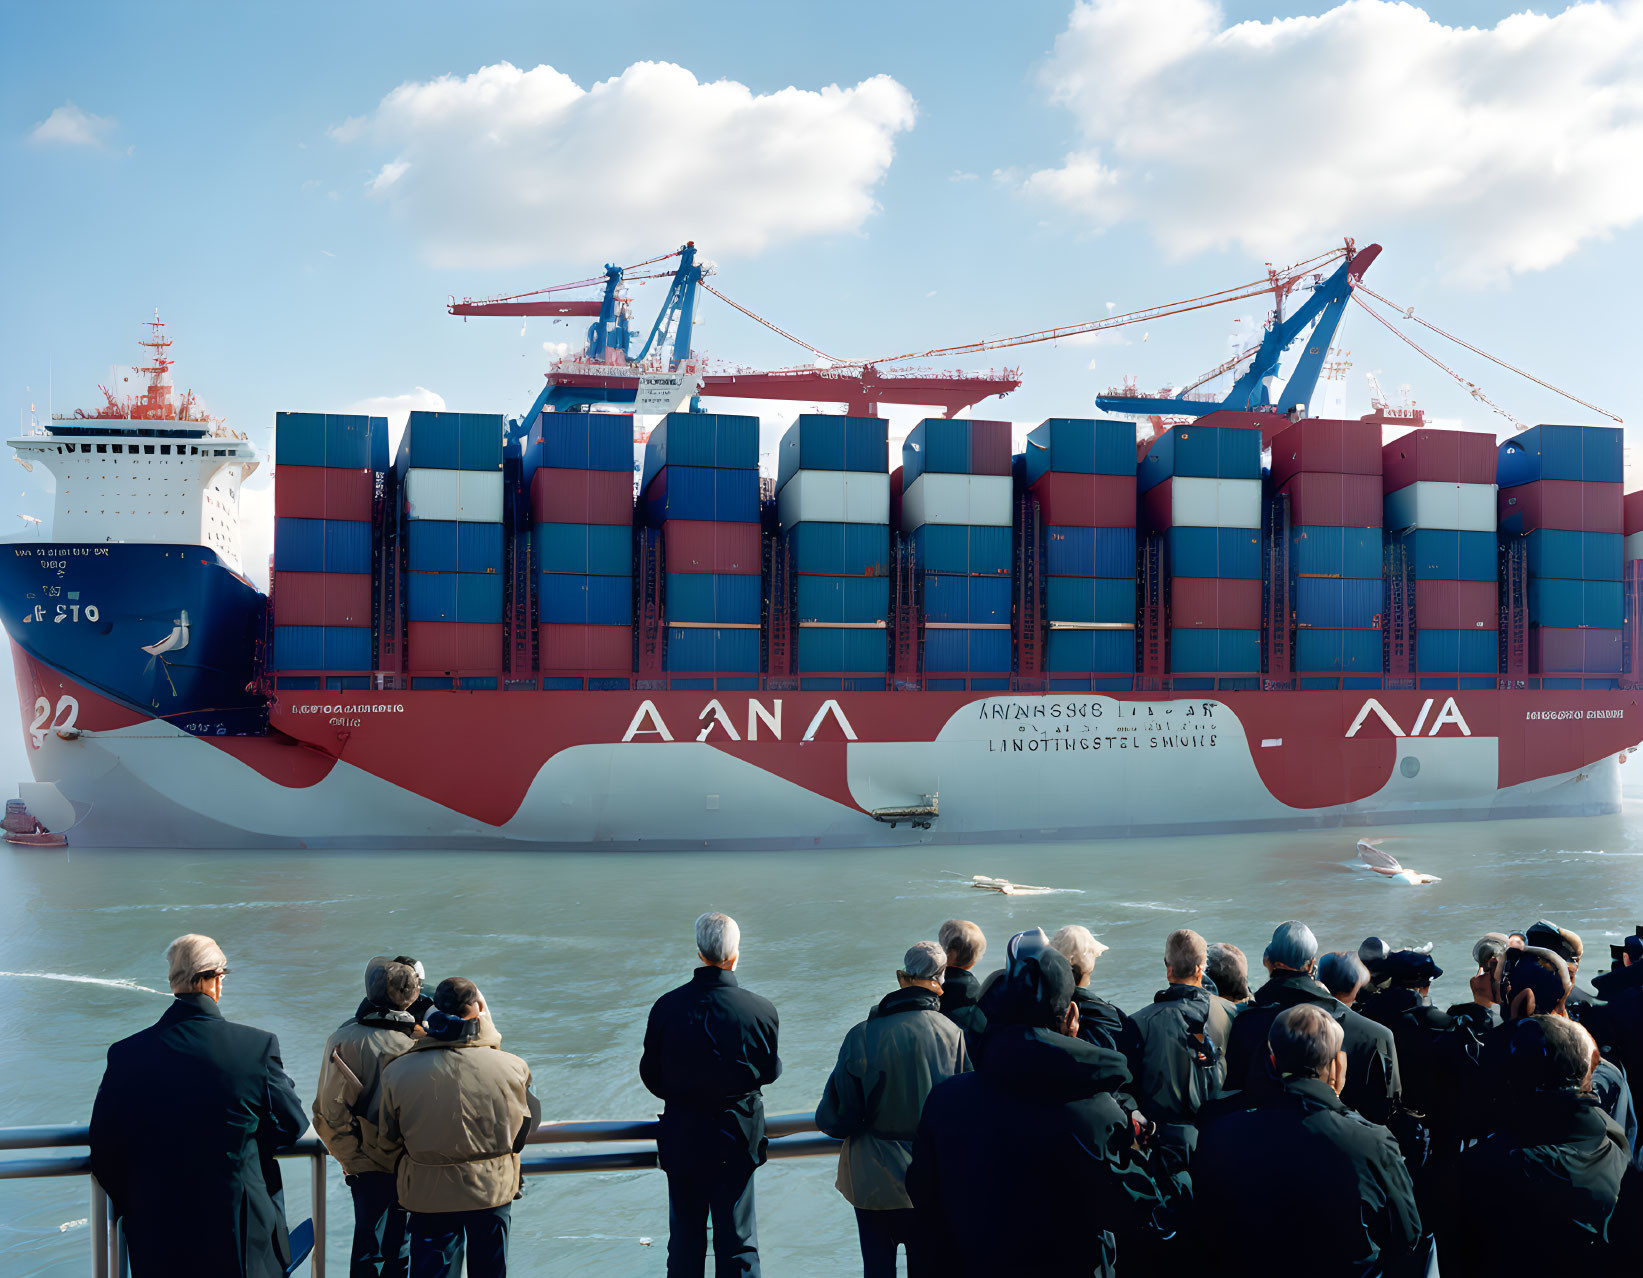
{"x":713,"y":597}
{"x":1585,"y":556}
{"x":723,"y":440}
{"x":1104,"y":651}
{"x":937,"y":444}
{"x":826,"y":683}
{"x":716,"y":495}
{"x":1339,"y":651}
{"x":604,"y":550}
{"x":346,"y":441}
{"x":1080,"y":446}
{"x":1321,"y":551}
{"x":842,"y":648}
{"x":976,"y":549}
{"x":1338,"y":603}
{"x":451,"y":441}
{"x":454,"y":596}
{"x":579,"y":441}
{"x":1215,"y":651}
{"x":570,"y":599}
{"x":1554,"y":601}
{"x":322,"y":648}
{"x":1089,"y":552}
{"x":706,"y":648}
{"x":1457,"y":651}
{"x":821,"y":441}
{"x":955,"y":597}
{"x":953,"y":651}
{"x":1214,"y":552}
{"x":322,"y":545}
{"x":840,"y":550}
{"x":439,"y":545}
{"x":839,"y":599}
{"x":1594,"y":454}
{"x":1214,"y":452}
{"x":1092,"y":600}
{"x":1439,"y":554}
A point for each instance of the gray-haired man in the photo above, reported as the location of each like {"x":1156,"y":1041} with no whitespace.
{"x":874,"y":1097}
{"x":710,"y":1046}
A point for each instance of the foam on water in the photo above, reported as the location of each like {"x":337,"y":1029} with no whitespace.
{"x":114,"y":983}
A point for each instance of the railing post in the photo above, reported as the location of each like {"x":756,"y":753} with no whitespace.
{"x":98,"y":1220}
{"x":316,"y":1263}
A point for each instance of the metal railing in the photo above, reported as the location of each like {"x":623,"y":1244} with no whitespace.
{"x":791,"y":1136}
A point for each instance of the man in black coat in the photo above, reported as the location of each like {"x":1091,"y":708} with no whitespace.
{"x":1290,"y":1177}
{"x":1372,"y":1084}
{"x":1029,"y":1164}
{"x":1176,"y":1067}
{"x":960,"y":991}
{"x":188,"y":1118}
{"x":709,"y":1047}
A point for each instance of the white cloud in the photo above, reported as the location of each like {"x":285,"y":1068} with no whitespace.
{"x":508,"y":167}
{"x":68,"y":125}
{"x":1512,"y":144}
{"x":398,"y":409}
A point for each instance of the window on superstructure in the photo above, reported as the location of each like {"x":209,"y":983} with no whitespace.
{"x":165,"y":450}
{"x":102,"y":448}
{"x":84,"y":448}
{"x":119,"y":448}
{"x":148,"y":448}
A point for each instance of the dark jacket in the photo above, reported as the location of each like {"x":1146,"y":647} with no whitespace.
{"x":1028,"y":1164}
{"x":709,"y":1047}
{"x":1537,"y":1194}
{"x":1372,"y":1083}
{"x":1101,"y":1023}
{"x":183,"y":1134}
{"x":875,"y":1094}
{"x":960,"y":1003}
{"x":1292,"y":1178}
{"x":1426,"y":1039}
{"x":1175,"y":1068}
{"x":1622,"y":993}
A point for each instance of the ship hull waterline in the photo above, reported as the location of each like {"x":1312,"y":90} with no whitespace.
{"x":684,"y":770}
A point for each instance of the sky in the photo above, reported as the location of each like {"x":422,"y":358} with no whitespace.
{"x":298,"y":188}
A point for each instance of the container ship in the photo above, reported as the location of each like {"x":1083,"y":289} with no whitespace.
{"x":1243,"y":618}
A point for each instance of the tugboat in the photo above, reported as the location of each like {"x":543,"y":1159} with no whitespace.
{"x":21,"y":827}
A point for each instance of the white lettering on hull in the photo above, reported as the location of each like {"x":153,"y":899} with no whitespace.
{"x":1450,"y":713}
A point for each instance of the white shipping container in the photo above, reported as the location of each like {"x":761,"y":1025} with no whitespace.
{"x":1431,"y":504}
{"x":834,"y":497}
{"x":1197,"y":502}
{"x":1634,"y":546}
{"x":935,"y":498}
{"x":467,"y":496}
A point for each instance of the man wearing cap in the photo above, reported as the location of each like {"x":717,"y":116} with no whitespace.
{"x":189,"y":1116}
{"x":1567,"y":946}
{"x":349,"y":1073}
{"x":886,"y":1068}
{"x":1029,"y":1164}
{"x":710,"y":1047}
{"x":1372,"y":1084}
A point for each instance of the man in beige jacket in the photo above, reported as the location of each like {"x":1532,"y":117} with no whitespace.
{"x":454,"y":1113}
{"x":349,"y":1075}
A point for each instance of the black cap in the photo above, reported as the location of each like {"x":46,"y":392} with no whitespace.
{"x":1409,"y":967}
{"x":1373,"y":955}
{"x":1035,"y":993}
{"x":1549,"y":936}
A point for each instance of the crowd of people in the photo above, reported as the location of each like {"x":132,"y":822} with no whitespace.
{"x":1332,"y":1120}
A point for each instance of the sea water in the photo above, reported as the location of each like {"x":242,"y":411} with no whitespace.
{"x":571,"y":950}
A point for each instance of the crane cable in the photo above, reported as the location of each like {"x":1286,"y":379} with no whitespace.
{"x":563,"y":288}
{"x":1472,"y":388}
{"x":834,"y":359}
{"x":1409,"y":313}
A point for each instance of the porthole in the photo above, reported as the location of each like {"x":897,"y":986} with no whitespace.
{"x":1410,"y":767}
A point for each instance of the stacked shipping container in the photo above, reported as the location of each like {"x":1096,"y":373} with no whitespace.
{"x":1201,"y":490}
{"x":1331,"y":472}
{"x":833,"y":500}
{"x":450,"y":475}
{"x":956,"y":508}
{"x":578,"y":469}
{"x":1082,"y":473}
{"x":1560,"y":489}
{"x":701,"y":489}
{"x":324,"y":494}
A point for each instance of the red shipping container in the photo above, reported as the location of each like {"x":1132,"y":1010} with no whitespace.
{"x":1325,"y":446}
{"x":1632,"y":513}
{"x":454,"y":647}
{"x":1569,"y":504}
{"x":694,"y":545}
{"x":1087,"y":501}
{"x":1334,"y":501}
{"x":989,"y":448}
{"x":582,"y":496}
{"x":607,"y":649}
{"x":322,"y":598}
{"x":1457,"y":605}
{"x":1440,"y":456}
{"x":1215,"y":603}
{"x":1554,"y":650}
{"x":322,"y":492}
